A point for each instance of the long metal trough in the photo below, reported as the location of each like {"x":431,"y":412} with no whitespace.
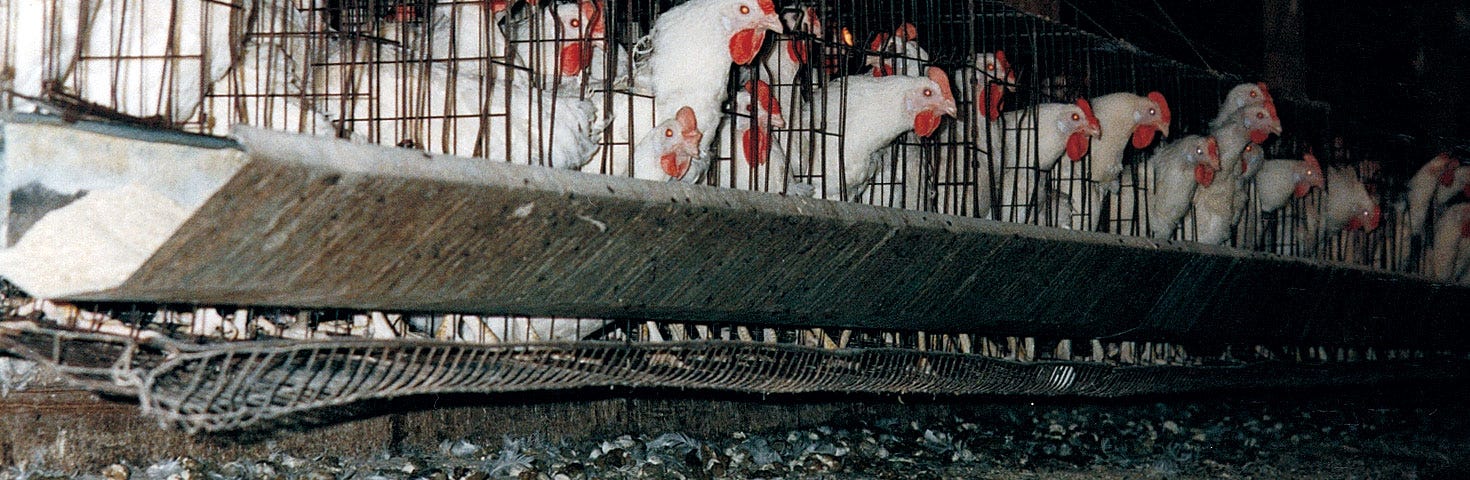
{"x":314,"y":222}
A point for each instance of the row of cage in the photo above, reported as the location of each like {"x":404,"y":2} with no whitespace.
{"x":967,"y":108}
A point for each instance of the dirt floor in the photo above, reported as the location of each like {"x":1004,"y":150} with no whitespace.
{"x":1405,"y":431}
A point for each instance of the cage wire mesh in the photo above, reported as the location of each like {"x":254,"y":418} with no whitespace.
{"x":566,"y":84}
{"x":218,"y":387}
{"x":557,"y":84}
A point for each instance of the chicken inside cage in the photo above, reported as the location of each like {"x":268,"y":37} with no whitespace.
{"x":963,"y":108}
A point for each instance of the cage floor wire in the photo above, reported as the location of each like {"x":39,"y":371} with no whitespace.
{"x":229,"y":386}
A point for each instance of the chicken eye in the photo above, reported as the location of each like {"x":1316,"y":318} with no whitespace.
{"x":990,"y":66}
{"x":1076,"y":117}
{"x":1250,"y":147}
{"x":1260,"y":115}
{"x":1153,"y":112}
{"x":1254,"y":93}
{"x":668,"y":132}
{"x":576,"y":23}
{"x":745,"y":10}
{"x":1199,"y":151}
{"x":928,"y":92}
{"x":750,"y":108}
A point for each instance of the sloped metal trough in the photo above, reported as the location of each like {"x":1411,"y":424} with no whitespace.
{"x":314,"y":222}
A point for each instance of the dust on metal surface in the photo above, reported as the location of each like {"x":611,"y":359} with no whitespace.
{"x":381,"y":228}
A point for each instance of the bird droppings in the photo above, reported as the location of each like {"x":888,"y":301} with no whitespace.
{"x":524,"y":211}
{"x":1345,"y":435}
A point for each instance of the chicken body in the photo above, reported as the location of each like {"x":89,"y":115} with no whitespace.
{"x":688,"y":53}
{"x":1168,"y":179}
{"x":866,"y":113}
{"x":144,"y":58}
{"x":1029,"y":145}
{"x":1122,"y":117}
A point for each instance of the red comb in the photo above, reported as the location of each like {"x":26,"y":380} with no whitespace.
{"x":1000,"y":59}
{"x":768,"y":6}
{"x":1271,"y":108}
{"x":940,"y":78}
{"x":762,"y":93}
{"x":1311,"y":161}
{"x":1163,"y":104}
{"x":1087,"y":109}
{"x":908,"y":32}
{"x":878,"y":41}
{"x":592,"y":10}
{"x":1265,"y":92}
{"x":686,"y":118}
{"x":1212,"y":147}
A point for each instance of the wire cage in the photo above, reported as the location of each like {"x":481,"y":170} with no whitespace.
{"x":581,"y":85}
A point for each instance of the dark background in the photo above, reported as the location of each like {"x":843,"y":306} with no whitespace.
{"x":1400,"y":67}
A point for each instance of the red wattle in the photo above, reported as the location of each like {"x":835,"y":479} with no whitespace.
{"x":1077,"y":146}
{"x":757,"y":146}
{"x":1301,"y":189}
{"x":1259,"y":136}
{"x":1204,"y":175}
{"x":1143,"y":136}
{"x":574,"y":58}
{"x":1245,"y":166}
{"x":1447,"y":176}
{"x":926,"y":122}
{"x":745,"y":44}
{"x":994,"y":100}
{"x":1355,"y":224}
{"x":671,"y":165}
{"x":797,"y":51}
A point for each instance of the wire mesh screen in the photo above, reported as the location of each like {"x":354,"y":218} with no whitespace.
{"x":967,"y":108}
{"x":217,"y":387}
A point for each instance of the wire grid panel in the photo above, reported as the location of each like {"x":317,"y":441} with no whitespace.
{"x":240,"y":385}
{"x":553,"y":84}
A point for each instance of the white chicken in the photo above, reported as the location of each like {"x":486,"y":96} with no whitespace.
{"x":1347,"y":205}
{"x":1281,"y":180}
{"x":788,"y":58}
{"x":963,"y":169}
{"x":902,"y":177}
{"x":1239,"y":97}
{"x":1166,"y":181}
{"x":1436,"y":173}
{"x":1251,"y":162}
{"x":270,"y":84}
{"x":465,"y":37}
{"x":150,"y":59}
{"x":756,"y":162}
{"x":1214,"y":205}
{"x":1029,"y":143}
{"x":864,"y":113}
{"x":425,"y":106}
{"x":1447,"y":260}
{"x":1122,"y":117}
{"x":558,"y":41}
{"x":898,"y":53}
{"x":685,"y":60}
{"x":1453,"y":182}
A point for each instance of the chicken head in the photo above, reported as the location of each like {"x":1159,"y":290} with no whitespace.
{"x":1080,"y":125}
{"x":750,"y":20}
{"x":930,"y":103}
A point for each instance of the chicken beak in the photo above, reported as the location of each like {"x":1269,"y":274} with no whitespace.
{"x":771,"y":22}
{"x":774,"y":120}
{"x":1163,"y":128}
